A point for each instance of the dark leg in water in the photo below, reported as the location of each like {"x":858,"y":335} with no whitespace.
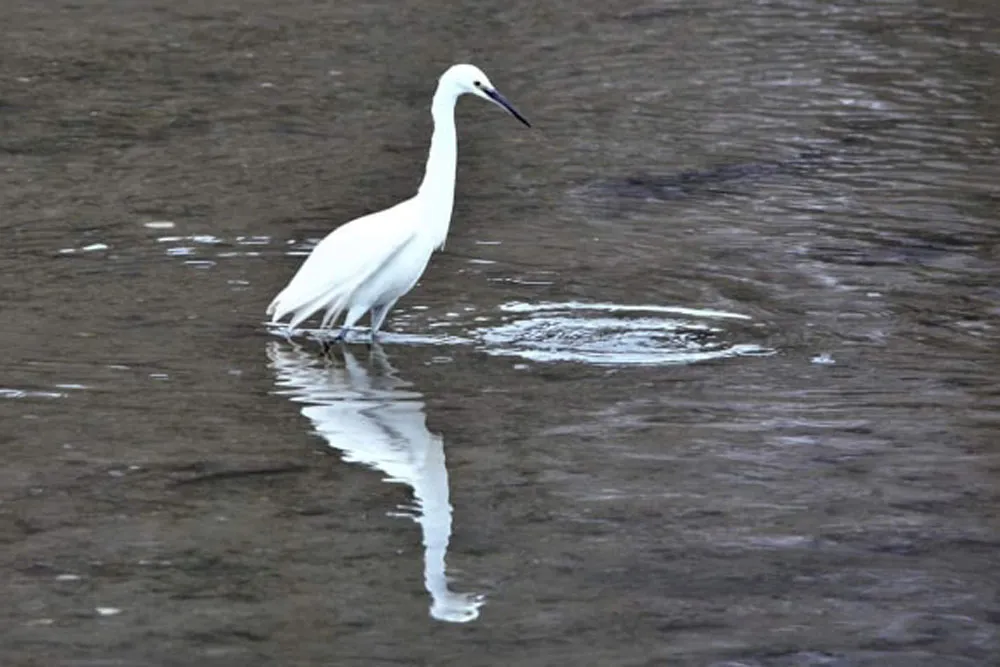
{"x":379,"y":313}
{"x":327,"y":343}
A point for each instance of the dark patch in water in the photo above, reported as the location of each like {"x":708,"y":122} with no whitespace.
{"x":684,"y":184}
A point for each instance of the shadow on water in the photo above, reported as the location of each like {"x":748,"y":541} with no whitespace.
{"x":371,"y":416}
{"x":692,"y":182}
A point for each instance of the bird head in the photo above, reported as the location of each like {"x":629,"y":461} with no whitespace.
{"x":469,"y":79}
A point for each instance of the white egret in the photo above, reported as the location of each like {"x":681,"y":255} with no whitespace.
{"x":367,"y":264}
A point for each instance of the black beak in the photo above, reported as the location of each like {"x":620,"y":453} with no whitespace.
{"x":502,"y":101}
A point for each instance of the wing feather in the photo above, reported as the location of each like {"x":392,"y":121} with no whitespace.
{"x":342,"y":262}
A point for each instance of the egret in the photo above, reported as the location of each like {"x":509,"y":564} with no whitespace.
{"x":367,"y":264}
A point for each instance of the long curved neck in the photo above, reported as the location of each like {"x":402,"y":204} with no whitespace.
{"x":437,"y":190}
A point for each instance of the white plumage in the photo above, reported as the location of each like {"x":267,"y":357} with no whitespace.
{"x":367,"y":264}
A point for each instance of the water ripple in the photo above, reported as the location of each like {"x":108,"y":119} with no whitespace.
{"x":588,"y":333}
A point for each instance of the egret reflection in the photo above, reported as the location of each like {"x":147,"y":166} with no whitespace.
{"x":371,"y":416}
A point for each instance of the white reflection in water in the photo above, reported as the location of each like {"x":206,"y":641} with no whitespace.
{"x":365,"y":411}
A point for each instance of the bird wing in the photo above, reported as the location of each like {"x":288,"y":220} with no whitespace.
{"x":341,"y":263}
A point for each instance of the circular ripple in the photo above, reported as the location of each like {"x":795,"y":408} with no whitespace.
{"x":612,"y":334}
{"x":590,"y":333}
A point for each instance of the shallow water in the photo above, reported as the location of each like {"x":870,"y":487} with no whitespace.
{"x":706,"y":374}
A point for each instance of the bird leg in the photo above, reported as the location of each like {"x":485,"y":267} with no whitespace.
{"x":327,"y":343}
{"x":378,"y":315}
{"x":353,"y":315}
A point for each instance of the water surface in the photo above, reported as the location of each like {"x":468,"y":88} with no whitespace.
{"x":706,"y":374}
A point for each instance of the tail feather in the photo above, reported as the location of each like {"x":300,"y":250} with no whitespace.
{"x":281,"y":307}
{"x":278,"y":307}
{"x":334,"y":301}
{"x":292,"y":301}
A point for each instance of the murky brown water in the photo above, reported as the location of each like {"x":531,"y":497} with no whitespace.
{"x":707,"y":372}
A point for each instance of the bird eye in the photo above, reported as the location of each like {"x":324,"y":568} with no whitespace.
{"x":477,"y":84}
